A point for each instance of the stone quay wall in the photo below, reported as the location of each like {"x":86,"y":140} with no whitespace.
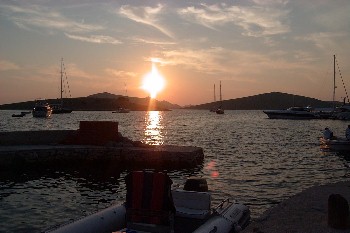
{"x":94,"y":143}
{"x":116,"y":156}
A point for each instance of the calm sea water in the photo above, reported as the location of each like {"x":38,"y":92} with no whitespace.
{"x":248,"y":157}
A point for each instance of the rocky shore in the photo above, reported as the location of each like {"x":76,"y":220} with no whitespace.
{"x":306,"y":212}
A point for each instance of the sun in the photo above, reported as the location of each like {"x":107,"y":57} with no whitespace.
{"x":153,"y":82}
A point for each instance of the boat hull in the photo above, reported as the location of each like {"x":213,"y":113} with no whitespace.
{"x":61,"y":111}
{"x":339,"y":144}
{"x":107,"y":220}
{"x":231,"y":218}
{"x":42,"y":114}
{"x":292,"y":115}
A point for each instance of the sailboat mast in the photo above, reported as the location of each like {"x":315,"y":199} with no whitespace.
{"x":214,"y":94}
{"x":220,"y":92}
{"x":61,"y":81}
{"x":334,"y":82}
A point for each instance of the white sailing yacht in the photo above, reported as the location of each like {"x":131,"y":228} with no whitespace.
{"x":58,"y":108}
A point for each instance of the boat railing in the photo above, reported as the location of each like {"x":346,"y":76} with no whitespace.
{"x":221,"y":205}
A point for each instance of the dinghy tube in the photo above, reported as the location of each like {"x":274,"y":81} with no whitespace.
{"x":233,"y":218}
{"x":107,"y":220}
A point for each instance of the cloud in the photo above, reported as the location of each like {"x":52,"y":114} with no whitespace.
{"x":99,"y":39}
{"x":153,"y":41}
{"x":145,"y":15}
{"x":6,"y":65}
{"x":204,"y":60}
{"x":33,"y":16}
{"x":322,"y":40}
{"x":257,"y":20}
{"x":120,"y":73}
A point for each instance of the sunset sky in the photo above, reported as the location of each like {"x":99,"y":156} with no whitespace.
{"x":251,"y":46}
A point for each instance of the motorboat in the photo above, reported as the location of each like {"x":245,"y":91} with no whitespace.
{"x":18,"y":115}
{"x":151,"y":206}
{"x":220,"y":111}
{"x":335,"y":144}
{"x":342,"y":112}
{"x":292,"y":113}
{"x":59,"y":109}
{"x":121,"y":110}
{"x":41,"y":109}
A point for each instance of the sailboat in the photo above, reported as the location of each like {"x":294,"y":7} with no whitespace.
{"x":220,"y":110}
{"x":58,"y":108}
{"x":214,"y":109}
{"x":342,"y":112}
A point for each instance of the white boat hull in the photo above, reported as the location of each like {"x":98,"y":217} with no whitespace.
{"x":225,"y":220}
{"x":286,"y":114}
{"x":107,"y":220}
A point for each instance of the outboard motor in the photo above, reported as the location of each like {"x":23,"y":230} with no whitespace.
{"x":196,"y":184}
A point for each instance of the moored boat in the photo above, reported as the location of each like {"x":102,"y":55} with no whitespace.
{"x":121,"y":110}
{"x":18,"y":115}
{"x":335,"y":144}
{"x":151,"y":206}
{"x":220,"y":110}
{"x":41,"y":109}
{"x":292,"y":113}
{"x":342,"y":112}
{"x":59,"y":108}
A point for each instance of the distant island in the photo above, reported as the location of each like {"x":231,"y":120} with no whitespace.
{"x":109,"y":102}
{"x":100,"y":102}
{"x":273,"y":100}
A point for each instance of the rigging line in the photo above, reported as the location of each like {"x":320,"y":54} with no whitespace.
{"x":65,"y":75}
{"x":341,"y":77}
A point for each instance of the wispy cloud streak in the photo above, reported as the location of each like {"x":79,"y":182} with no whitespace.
{"x":257,"y":20}
{"x":6,"y":65}
{"x":145,"y":15}
{"x":34,"y":16}
{"x":99,"y":39}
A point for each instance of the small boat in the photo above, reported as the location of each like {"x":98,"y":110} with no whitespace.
{"x":59,"y":109}
{"x":296,"y":113}
{"x":220,"y":110}
{"x":335,"y":144}
{"x":121,"y":110}
{"x":18,"y":115}
{"x":26,"y":112}
{"x":151,"y":206}
{"x":41,"y":109}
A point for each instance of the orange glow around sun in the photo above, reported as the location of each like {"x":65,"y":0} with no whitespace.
{"x":153,"y":82}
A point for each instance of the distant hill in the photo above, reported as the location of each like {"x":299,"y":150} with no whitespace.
{"x":109,"y":102}
{"x":101,"y":102}
{"x":273,"y":100}
{"x":135,"y":100}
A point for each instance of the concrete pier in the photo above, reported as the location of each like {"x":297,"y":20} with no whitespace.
{"x":95,"y":143}
{"x":306,"y":212}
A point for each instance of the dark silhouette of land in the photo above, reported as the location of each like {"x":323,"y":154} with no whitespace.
{"x":273,"y":100}
{"x":100,"y":102}
{"x":110,"y":102}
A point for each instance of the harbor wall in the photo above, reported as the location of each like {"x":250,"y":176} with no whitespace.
{"x":84,"y":155}
{"x":94,"y":143}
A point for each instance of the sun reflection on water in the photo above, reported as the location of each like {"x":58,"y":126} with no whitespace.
{"x":154,"y":128}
